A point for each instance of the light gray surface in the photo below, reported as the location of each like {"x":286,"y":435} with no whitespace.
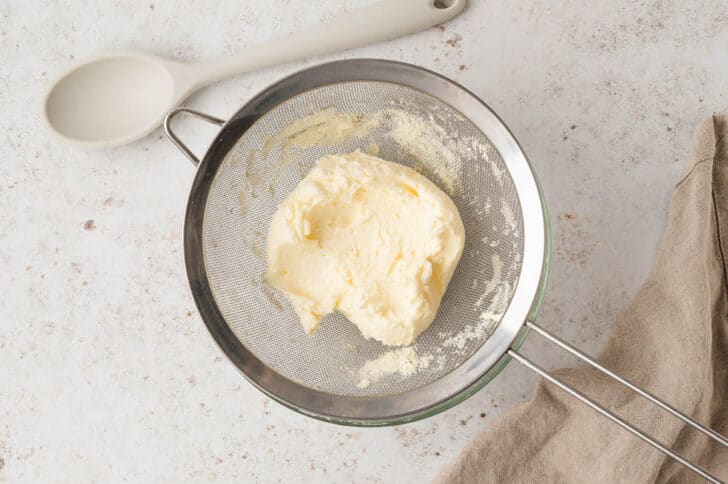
{"x":106,"y":372}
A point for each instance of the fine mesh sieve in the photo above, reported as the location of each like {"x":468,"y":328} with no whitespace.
{"x":254,"y":165}
{"x":494,"y":294}
{"x":261,"y":170}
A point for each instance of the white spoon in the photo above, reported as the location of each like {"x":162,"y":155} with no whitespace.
{"x":119,"y":97}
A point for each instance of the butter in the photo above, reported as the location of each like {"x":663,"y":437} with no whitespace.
{"x":372,"y":239}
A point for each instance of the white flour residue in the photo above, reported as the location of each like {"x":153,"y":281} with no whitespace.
{"x":501,"y":296}
{"x":510,"y":221}
{"x":498,"y":173}
{"x":440,"y":153}
{"x":494,"y":281}
{"x":469,"y":332}
{"x":498,"y":292}
{"x":403,"y":361}
{"x":489,"y":320}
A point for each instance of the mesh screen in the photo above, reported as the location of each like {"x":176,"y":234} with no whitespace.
{"x":260,"y":171}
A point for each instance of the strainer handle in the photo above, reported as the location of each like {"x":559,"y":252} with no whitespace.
{"x":611,"y":415}
{"x":175,"y":139}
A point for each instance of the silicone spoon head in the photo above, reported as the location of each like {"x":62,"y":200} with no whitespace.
{"x":110,"y":100}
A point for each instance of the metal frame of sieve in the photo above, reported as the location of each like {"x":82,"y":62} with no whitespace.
{"x":486,"y":362}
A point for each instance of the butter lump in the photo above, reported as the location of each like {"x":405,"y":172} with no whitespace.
{"x":372,"y":239}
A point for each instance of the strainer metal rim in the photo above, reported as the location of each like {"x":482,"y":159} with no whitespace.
{"x":486,"y":362}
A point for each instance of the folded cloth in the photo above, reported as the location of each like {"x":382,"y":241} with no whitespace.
{"x":672,"y":341}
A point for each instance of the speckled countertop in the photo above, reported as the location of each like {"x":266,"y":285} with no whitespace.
{"x":106,"y":371}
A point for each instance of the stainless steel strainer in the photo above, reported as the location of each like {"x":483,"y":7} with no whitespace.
{"x":495,"y":292}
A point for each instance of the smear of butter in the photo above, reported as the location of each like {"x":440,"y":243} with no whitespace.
{"x":372,"y":239}
{"x":327,"y":127}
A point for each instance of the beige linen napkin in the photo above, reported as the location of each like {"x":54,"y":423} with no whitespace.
{"x":672,"y":340}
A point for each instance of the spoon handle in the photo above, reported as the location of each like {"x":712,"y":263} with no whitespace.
{"x":384,"y":20}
